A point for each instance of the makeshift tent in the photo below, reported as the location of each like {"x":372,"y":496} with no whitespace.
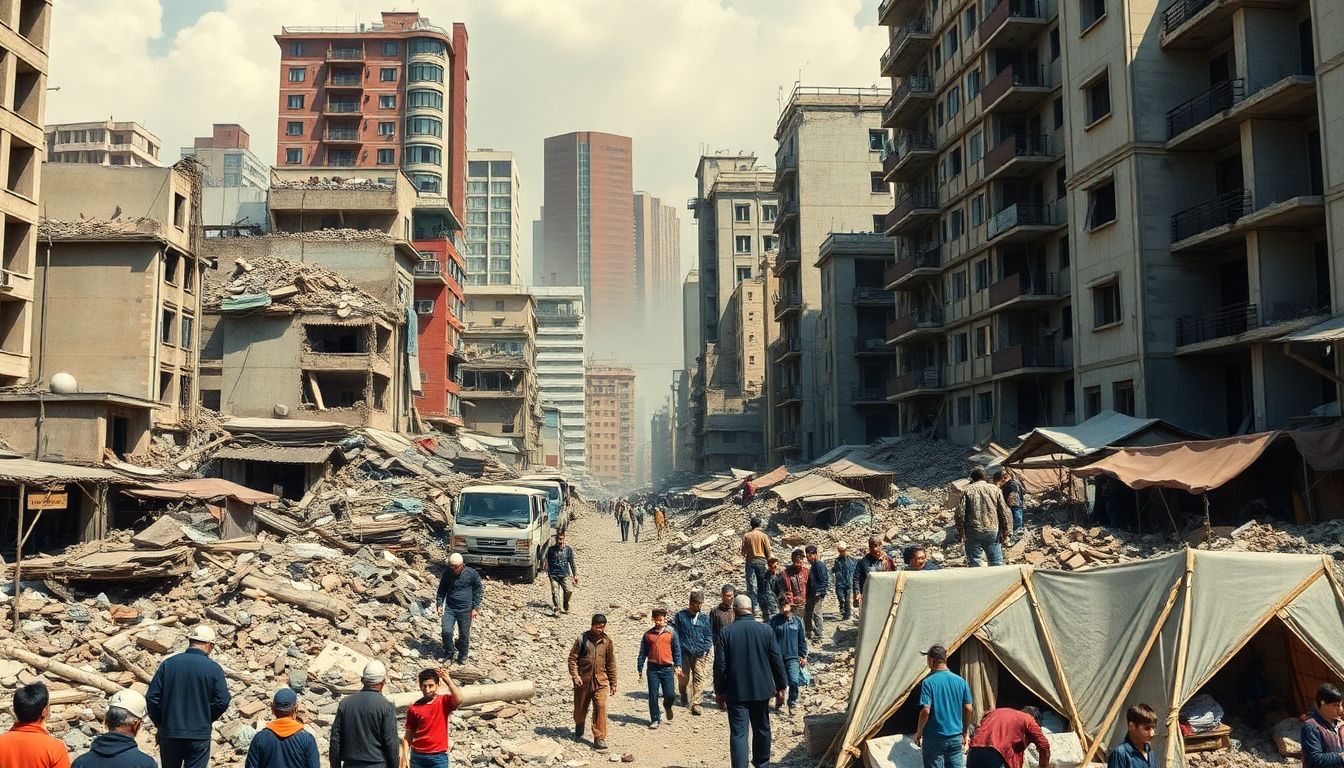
{"x":773,"y":477}
{"x":861,"y":475}
{"x":1090,"y":643}
{"x":1196,"y":466}
{"x":814,"y":488}
{"x":1048,"y":446}
{"x":716,"y":489}
{"x":1037,"y":481}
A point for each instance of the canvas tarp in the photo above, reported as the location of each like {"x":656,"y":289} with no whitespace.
{"x":1196,"y":466}
{"x":1089,"y":643}
{"x":204,"y":488}
{"x":1106,"y":429}
{"x":856,"y":470}
{"x":715,"y":489}
{"x":815,"y":488}
{"x":1327,"y":331}
{"x":773,"y":477}
{"x":1322,"y":449}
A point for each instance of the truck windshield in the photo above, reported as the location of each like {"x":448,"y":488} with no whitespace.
{"x":552,"y":492}
{"x":491,"y":509}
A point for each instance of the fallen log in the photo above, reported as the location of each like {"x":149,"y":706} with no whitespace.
{"x":316,"y":603}
{"x":61,"y":670}
{"x":117,"y":653}
{"x":518,"y":690}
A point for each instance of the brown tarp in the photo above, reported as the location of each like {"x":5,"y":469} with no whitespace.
{"x":814,"y":488}
{"x":1196,"y":466}
{"x":1036,"y":481}
{"x":205,"y":488}
{"x":774,"y":477}
{"x":1322,"y":449}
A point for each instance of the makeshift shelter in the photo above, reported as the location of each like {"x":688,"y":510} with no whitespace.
{"x":1038,"y":481}
{"x":715,"y":489}
{"x":57,"y":504}
{"x":1087,"y":644}
{"x":1066,"y":446}
{"x":231,"y":504}
{"x":817,"y":496}
{"x":284,"y":456}
{"x":861,"y":475}
{"x":772,"y":478}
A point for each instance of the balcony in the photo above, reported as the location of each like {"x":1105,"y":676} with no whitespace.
{"x":927,"y":381}
{"x":1019,"y":156}
{"x":340,"y":108}
{"x":909,"y":42}
{"x":787,"y":259}
{"x":924,"y":260}
{"x":789,"y":302}
{"x":1029,"y":358}
{"x":921,"y":322}
{"x":788,"y":209}
{"x":472,"y":393}
{"x":1012,"y":23}
{"x":341,"y":159}
{"x":787,"y":440}
{"x":1230,"y":320}
{"x":1024,"y":289}
{"x":1020,"y":218}
{"x":1191,"y":124}
{"x":1016,"y":89}
{"x":909,"y":101}
{"x":345,"y":54}
{"x":912,"y":210}
{"x":872,"y":295}
{"x":345,"y":81}
{"x":889,"y":11}
{"x":909,"y":157}
{"x":871,"y":345}
{"x":341,"y":135}
{"x":787,"y":393}
{"x":1201,"y":23}
{"x":429,"y":271}
{"x":868,"y":396}
{"x":785,"y":166}
{"x":787,"y":348}
{"x":1194,"y":226}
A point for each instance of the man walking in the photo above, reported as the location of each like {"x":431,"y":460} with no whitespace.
{"x":1002,"y":738}
{"x":1013,"y":495}
{"x":426,"y":739}
{"x":592,"y":667}
{"x":459,"y":601}
{"x":626,"y":518}
{"x":983,"y":521}
{"x":283,"y":743}
{"x":27,"y":744}
{"x":696,"y":635}
{"x":916,"y":558}
{"x":562,"y":571}
{"x":944,"y":712}
{"x":793,"y":583}
{"x":842,"y":568}
{"x":748,"y":669}
{"x":773,"y":587}
{"x":364,"y":731}
{"x":756,"y":550}
{"x":722,"y":614}
{"x":662,"y":650}
{"x":792,"y":639}
{"x":876,"y":561}
{"x":818,"y":586}
{"x":117,"y":748}
{"x":186,"y":696}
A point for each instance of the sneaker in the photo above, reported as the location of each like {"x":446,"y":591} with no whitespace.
{"x":667,"y":707}
{"x":600,"y":745}
{"x":578,"y":732}
{"x":654,"y":725}
{"x":695,"y":710}
{"x":790,"y":710}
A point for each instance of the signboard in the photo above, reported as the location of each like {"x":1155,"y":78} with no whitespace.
{"x":48,"y":500}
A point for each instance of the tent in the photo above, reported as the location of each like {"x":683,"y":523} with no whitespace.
{"x":1066,"y":445}
{"x":814,"y":489}
{"x":1196,"y":466}
{"x":1090,"y":643}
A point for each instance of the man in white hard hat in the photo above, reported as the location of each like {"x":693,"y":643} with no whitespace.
{"x":117,"y":748}
{"x":459,"y":599}
{"x":364,"y":732}
{"x":187,"y":695}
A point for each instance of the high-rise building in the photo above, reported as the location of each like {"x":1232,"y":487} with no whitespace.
{"x":228,"y":159}
{"x":103,"y":142}
{"x":538,"y":246}
{"x":381,"y":96}
{"x":590,"y":240}
{"x":657,"y":259}
{"x":499,"y":373}
{"x":828,"y":171}
{"x":660,"y":445}
{"x":493,"y":245}
{"x":683,"y":436}
{"x":611,"y":425}
{"x":561,"y":353}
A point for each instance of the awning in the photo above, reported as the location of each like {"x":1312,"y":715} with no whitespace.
{"x":204,"y":488}
{"x":278,"y":454}
{"x":1330,"y":330}
{"x":717,"y":488}
{"x":1196,"y":466}
{"x":1106,"y":429}
{"x":854,"y":470}
{"x":20,"y":470}
{"x":815,"y":488}
{"x":1322,"y":449}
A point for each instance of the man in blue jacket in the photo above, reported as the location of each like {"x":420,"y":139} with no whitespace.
{"x":283,"y":743}
{"x":748,"y":669}
{"x":693,"y":628}
{"x":793,"y":647}
{"x":459,"y":599}
{"x":842,"y":569}
{"x":117,"y":748}
{"x":1322,"y":732}
{"x":818,"y":586}
{"x":186,"y":696}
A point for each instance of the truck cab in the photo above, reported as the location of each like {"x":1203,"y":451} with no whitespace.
{"x":502,"y":526}
{"x":557,"y":507}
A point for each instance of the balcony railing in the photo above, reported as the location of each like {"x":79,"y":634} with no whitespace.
{"x":924,"y":256}
{"x":1017,"y":215}
{"x":1020,"y":356}
{"x":1182,"y":11}
{"x":345,"y":54}
{"x":1224,"y":321}
{"x":430,"y":267}
{"x":787,"y":257}
{"x":927,"y":378}
{"x":914,"y":85}
{"x":868,"y":395}
{"x":786,"y":346}
{"x":915,"y":201}
{"x":920,"y":318}
{"x":787,"y":163}
{"x":785,"y":393}
{"x":874,"y":344}
{"x":1204,"y":106}
{"x":341,"y":161}
{"x":1221,"y":210}
{"x":340,"y":78}
{"x":1009,"y":9}
{"x":786,"y":209}
{"x":1015,"y":76}
{"x":342,"y":107}
{"x":919,"y":26}
{"x":1014,"y":146}
{"x":342,"y":134}
{"x":786,"y":301}
{"x":1023,"y":284}
{"x":868,"y":294}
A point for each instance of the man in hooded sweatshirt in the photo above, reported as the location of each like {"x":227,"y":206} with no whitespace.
{"x":117,"y":748}
{"x":283,"y":743}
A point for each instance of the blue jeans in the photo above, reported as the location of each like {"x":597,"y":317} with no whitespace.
{"x":757,"y":585}
{"x":660,"y":676}
{"x":461,"y":621}
{"x":625,"y":530}
{"x":755,"y":714}
{"x":794,"y":672}
{"x":1017,"y":518}
{"x":979,"y":544}
{"x":184,"y":753}
{"x":942,"y":752}
{"x":434,"y":760}
{"x":846,"y":602}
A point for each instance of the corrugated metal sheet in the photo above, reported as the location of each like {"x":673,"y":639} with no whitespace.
{"x":277,"y":454}
{"x":19,"y":470}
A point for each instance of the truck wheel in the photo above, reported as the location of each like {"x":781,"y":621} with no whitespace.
{"x":532,"y":572}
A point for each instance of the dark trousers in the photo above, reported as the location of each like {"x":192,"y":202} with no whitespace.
{"x":758,"y":584}
{"x":184,"y":753}
{"x":846,"y":602}
{"x":984,"y":757}
{"x":756,"y":716}
{"x":662,"y":680}
{"x":460,"y":621}
{"x":625,"y":530}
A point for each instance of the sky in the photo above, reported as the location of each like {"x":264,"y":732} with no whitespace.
{"x":680,"y":77}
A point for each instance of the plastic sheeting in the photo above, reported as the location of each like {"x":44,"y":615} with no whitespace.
{"x":1196,"y":466}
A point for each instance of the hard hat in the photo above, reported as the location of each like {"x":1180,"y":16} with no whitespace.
{"x":374,"y":672}
{"x":203,"y":633}
{"x":131,"y":701}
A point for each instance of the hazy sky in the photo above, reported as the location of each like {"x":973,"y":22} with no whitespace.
{"x":679,"y":76}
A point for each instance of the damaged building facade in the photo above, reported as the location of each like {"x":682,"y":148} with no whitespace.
{"x":499,"y":372}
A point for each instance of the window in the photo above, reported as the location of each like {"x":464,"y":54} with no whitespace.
{"x":387,"y":101}
{"x":499,"y":203}
{"x":969,"y":22}
{"x":1054,"y":44}
{"x":959,"y":285}
{"x":1091,"y":401}
{"x":1070,"y":399}
{"x":501,"y":187}
{"x":167,"y":321}
{"x":428,"y":45}
{"x":937,"y":56}
{"x":1122,"y":397}
{"x":1098,"y":99}
{"x":742,"y":244}
{"x":954,"y":163}
{"x":961,"y":348}
{"x":473,"y":203}
{"x":293,"y":156}
{"x":297,"y":48}
{"x":420,"y":72}
{"x":769,"y":212}
{"x":953,"y":102}
{"x":387,"y":128}
{"x":501,"y":168}
{"x":1061,"y":188}
{"x":1090,"y":12}
{"x":1064,"y":252}
{"x":982,"y":341}
{"x":878,"y":185}
{"x":769,"y":243}
{"x":389,"y":48}
{"x":964,"y":410}
{"x":743,"y":273}
{"x":297,"y":74}
{"x":387,"y":157}
{"x":474,"y":217}
{"x":477,"y":233}
{"x":876,"y":139}
{"x":293,"y":128}
{"x":188,"y":326}
{"x":984,"y":407}
{"x":1106,"y":305}
{"x":975,"y":147}
{"x":500,"y":233}
{"x":742,"y":212}
{"x":938,"y":111}
{"x":977,"y":210}
{"x":425,"y":99}
{"x":1066,"y":322}
{"x":501,"y":217}
{"x":879,"y":223}
{"x":956,"y":224}
{"x":424,"y":126}
{"x":387,"y":74}
{"x":951,"y":41}
{"x":982,"y":274}
{"x":1101,"y":205}
{"x":294,"y":101}
{"x":418,"y":153}
{"x":972,"y":83}
{"x":499,"y":249}
{"x":1058,"y":108}
{"x":478,"y":168}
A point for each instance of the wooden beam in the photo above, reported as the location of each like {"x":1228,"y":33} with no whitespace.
{"x":317,"y":391}
{"x":1312,"y":364}
{"x":1063,"y":679}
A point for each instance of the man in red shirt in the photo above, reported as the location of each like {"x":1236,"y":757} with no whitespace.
{"x":426,"y":739}
{"x":27,"y":744}
{"x":1003,"y":736}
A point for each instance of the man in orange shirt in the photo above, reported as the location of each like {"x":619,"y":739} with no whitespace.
{"x":27,"y":744}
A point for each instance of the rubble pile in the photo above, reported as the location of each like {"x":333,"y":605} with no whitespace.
{"x":280,"y":285}
{"x":329,"y":182}
{"x":103,"y":229}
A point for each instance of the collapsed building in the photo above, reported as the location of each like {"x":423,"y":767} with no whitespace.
{"x":499,"y":373}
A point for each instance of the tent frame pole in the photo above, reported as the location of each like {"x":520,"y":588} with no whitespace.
{"x":1182,"y":650}
{"x":1062,"y":681}
{"x":848,"y":751}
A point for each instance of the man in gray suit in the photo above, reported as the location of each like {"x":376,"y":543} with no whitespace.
{"x":748,"y":670}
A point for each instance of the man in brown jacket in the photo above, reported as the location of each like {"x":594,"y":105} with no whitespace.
{"x":984,"y":521}
{"x":592,"y":666}
{"x":756,"y":551}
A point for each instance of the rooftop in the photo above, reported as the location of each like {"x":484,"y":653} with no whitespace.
{"x":806,"y":97}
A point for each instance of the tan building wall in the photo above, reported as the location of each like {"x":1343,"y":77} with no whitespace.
{"x":103,"y":142}
{"x":499,"y":374}
{"x":610,"y":400}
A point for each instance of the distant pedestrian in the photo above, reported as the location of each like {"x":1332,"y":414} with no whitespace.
{"x":695,"y":632}
{"x":792,"y":638}
{"x":842,"y":570}
{"x":875,"y":561}
{"x":187,"y":694}
{"x":640,"y":511}
{"x":661,"y":649}
{"x":364,"y":730}
{"x":748,"y":670}
{"x":773,"y":586}
{"x":660,"y":520}
{"x":983,"y":521}
{"x":1013,"y":494}
{"x":1003,"y":736}
{"x":747,"y":491}
{"x":592,"y":667}
{"x":459,"y":599}
{"x":283,"y":743}
{"x":27,"y":744}
{"x":426,"y":741}
{"x":626,"y":518}
{"x":818,"y":586}
{"x":117,"y":748}
{"x":1136,"y":751}
{"x":916,"y":558}
{"x":563,"y":573}
{"x":722,"y":614}
{"x":793,"y":582}
{"x":944,"y":713}
{"x":756,"y":552}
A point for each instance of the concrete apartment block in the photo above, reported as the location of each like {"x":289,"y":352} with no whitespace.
{"x":611,"y":425}
{"x":561,"y":354}
{"x":499,"y":379}
{"x":851,"y":339}
{"x":683,"y":449}
{"x":103,"y":142}
{"x":227,"y":156}
{"x":492,"y":219}
{"x":828,"y":171}
{"x":657,"y":260}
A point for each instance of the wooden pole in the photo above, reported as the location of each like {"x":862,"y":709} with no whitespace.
{"x":518,"y":690}
{"x":18,"y":553}
{"x":1049,"y":641}
{"x":73,"y":674}
{"x":1208,"y":521}
{"x":1182,"y":651}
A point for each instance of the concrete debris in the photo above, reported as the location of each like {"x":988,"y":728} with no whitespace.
{"x":330,"y":182}
{"x":280,"y":285}
{"x":102,"y":229}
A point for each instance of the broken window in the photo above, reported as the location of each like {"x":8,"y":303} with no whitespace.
{"x":333,"y":389}
{"x":167,"y":323}
{"x":170,"y":266}
{"x":336,"y":339}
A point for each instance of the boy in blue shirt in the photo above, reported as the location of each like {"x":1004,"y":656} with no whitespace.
{"x":944,"y":713}
{"x":1135,"y":751}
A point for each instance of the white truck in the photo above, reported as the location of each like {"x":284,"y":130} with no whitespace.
{"x":502,"y":526}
